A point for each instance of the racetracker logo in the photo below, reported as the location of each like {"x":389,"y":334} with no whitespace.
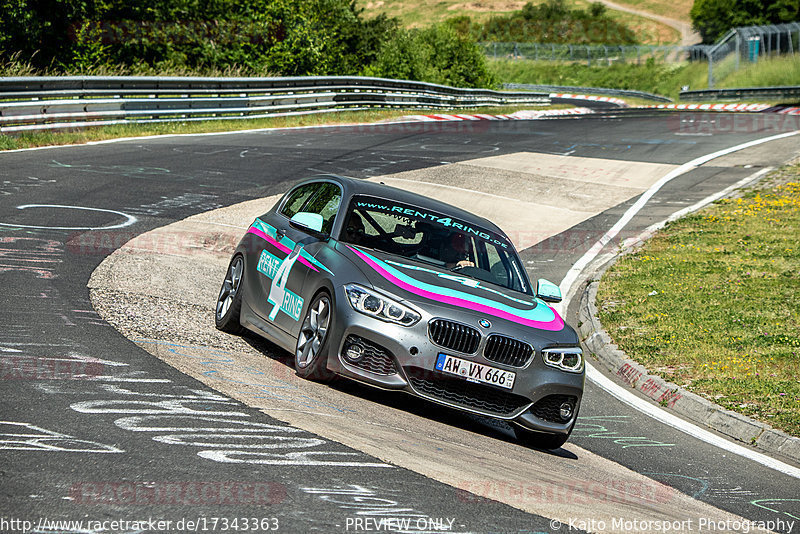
{"x":716,"y":123}
{"x":409,"y":126}
{"x":102,"y":243}
{"x":23,"y":367}
{"x":573,"y":493}
{"x":185,"y":493}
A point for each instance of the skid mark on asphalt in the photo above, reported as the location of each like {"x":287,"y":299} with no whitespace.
{"x":699,"y":492}
{"x":194,"y":201}
{"x":18,"y":185}
{"x":35,"y":256}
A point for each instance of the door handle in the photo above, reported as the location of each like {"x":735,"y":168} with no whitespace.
{"x":280,"y":233}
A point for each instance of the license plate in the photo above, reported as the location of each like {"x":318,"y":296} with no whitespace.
{"x":475,"y":372}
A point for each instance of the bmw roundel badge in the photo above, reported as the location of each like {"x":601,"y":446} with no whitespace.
{"x":484,"y":323}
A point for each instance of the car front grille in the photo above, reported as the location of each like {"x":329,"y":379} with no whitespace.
{"x":548,"y":408}
{"x":454,"y":336}
{"x":374,"y":358}
{"x":459,"y":392}
{"x":508,"y":351}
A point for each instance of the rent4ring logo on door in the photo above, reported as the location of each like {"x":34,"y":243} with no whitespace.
{"x":278,"y":271}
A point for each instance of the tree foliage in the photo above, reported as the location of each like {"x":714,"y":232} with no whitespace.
{"x":713,"y":18}
{"x":286,"y":37}
{"x":436,"y":54}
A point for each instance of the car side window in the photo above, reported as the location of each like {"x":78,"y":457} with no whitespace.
{"x":497,"y":267}
{"x":298,"y":198}
{"x":326,"y":202}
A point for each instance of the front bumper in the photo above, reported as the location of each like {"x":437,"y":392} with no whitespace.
{"x":402,"y":358}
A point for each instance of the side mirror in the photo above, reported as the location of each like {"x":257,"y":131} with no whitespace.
{"x":308,"y":222}
{"x":548,"y":291}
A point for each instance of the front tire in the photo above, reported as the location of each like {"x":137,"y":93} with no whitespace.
{"x":229,"y":301}
{"x":310,"y":354}
{"x":540,"y":440}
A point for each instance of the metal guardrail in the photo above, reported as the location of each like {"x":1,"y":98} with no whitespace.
{"x":55,"y":102}
{"x":586,"y":90}
{"x":791,"y":92}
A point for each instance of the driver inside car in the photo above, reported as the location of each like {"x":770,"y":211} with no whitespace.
{"x":455,"y":252}
{"x":355,"y":230}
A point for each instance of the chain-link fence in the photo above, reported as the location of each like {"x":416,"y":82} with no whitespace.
{"x":589,"y":54}
{"x":746,"y":43}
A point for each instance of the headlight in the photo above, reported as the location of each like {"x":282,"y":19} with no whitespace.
{"x":570,"y":359}
{"x":376,"y":305}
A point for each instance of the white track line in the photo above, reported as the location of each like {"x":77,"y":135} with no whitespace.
{"x":624,"y":394}
{"x":698,"y":205}
{"x":573,"y":274}
{"x":684,"y":426}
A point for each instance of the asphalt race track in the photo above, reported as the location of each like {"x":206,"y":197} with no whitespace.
{"x":95,"y":428}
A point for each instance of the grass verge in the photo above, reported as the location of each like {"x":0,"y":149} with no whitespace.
{"x":101,"y":133}
{"x":712,"y":303}
{"x":772,"y":72}
{"x":650,"y":76}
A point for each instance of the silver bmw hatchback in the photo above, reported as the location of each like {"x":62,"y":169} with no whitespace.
{"x":403,"y":292}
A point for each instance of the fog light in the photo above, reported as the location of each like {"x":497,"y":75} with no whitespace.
{"x":565,"y":411}
{"x":353,"y":352}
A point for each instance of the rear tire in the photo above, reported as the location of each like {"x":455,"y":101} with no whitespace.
{"x":229,"y":301}
{"x":311,"y":351}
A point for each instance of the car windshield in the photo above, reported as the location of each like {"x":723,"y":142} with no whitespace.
{"x":433,"y":238}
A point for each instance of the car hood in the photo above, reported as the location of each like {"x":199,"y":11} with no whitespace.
{"x":425,"y":284}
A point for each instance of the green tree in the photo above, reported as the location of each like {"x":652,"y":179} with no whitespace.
{"x":551,"y":22}
{"x":714,"y":18}
{"x":285,"y":37}
{"x":437,"y":54}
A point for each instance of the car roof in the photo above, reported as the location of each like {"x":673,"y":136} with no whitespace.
{"x":355,"y":186}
